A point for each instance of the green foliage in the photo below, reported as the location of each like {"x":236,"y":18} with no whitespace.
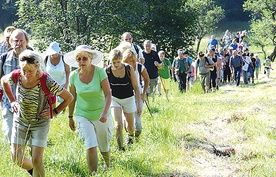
{"x":169,"y":24}
{"x":263,"y":22}
{"x":208,"y":15}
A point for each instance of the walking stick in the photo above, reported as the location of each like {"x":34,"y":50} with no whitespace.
{"x":147,"y":104}
{"x":163,"y":85}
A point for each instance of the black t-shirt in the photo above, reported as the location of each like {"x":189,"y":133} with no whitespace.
{"x":150,"y":58}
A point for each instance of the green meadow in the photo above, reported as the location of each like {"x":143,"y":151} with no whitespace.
{"x":231,"y":132}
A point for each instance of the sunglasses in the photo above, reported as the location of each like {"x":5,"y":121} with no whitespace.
{"x":82,"y":59}
{"x":29,"y":60}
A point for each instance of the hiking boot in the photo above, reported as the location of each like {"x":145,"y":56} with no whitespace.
{"x":129,"y":140}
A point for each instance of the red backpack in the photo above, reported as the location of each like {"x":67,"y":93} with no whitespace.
{"x":50,"y":97}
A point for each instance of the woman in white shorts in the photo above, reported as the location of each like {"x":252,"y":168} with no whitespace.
{"x":142,"y":76}
{"x":92,"y":97}
{"x":123,"y":84}
{"x":32,"y":114}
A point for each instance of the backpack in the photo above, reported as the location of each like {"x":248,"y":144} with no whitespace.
{"x":136,"y":49}
{"x":140,"y":73}
{"x":50,"y":97}
{"x":3,"y":57}
{"x":206,"y":60}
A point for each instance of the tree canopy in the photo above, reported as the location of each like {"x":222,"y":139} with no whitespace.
{"x":263,"y":25}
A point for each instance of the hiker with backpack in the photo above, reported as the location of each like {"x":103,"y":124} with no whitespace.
{"x":181,"y":66}
{"x":31,"y":110}
{"x":124,"y":89}
{"x":128,"y":37}
{"x":56,"y":67}
{"x":142,"y":76}
{"x":203,"y":65}
{"x":8,"y":63}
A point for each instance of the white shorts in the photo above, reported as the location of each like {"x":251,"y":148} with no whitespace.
{"x":95,"y":133}
{"x":128,"y":105}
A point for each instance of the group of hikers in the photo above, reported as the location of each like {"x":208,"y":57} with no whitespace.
{"x":36,"y":89}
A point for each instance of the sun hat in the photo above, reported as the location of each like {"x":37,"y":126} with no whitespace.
{"x":53,"y":48}
{"x":70,"y":57}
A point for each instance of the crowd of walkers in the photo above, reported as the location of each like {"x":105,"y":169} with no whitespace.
{"x":35,"y":89}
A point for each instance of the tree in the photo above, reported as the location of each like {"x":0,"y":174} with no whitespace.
{"x":208,"y":16}
{"x":263,"y":21}
{"x":100,"y":23}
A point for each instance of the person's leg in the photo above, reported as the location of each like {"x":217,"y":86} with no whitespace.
{"x":18,"y":157}
{"x":117,"y":115}
{"x":138,"y":121}
{"x":92,"y":159}
{"x":106,"y":157}
{"x":37,"y":160}
{"x":130,"y":126}
{"x":244,"y":76}
{"x":184,"y":82}
{"x":238,"y":76}
{"x":7,"y":122}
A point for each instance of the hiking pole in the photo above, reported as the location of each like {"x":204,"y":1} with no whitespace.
{"x":163,"y":85}
{"x":148,"y":108}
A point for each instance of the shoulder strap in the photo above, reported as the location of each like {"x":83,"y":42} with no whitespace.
{"x":128,"y":70}
{"x":207,"y":60}
{"x":108,"y":69}
{"x":15,"y":75}
{"x":46,"y":59}
{"x":3,"y":58}
{"x":140,"y":72}
{"x":46,"y":91}
{"x":136,"y":49}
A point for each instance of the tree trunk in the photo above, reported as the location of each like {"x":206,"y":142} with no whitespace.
{"x":198,"y":44}
{"x":273,"y":54}
{"x":263,"y":51}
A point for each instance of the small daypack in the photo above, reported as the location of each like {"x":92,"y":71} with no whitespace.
{"x":206,"y":60}
{"x":50,"y":97}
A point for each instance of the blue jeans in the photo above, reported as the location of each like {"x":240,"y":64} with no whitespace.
{"x":237,"y":75}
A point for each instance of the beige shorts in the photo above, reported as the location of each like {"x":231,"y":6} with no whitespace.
{"x":36,"y":133}
{"x":95,"y":133}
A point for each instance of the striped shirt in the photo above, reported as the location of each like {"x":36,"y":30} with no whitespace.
{"x":33,"y":100}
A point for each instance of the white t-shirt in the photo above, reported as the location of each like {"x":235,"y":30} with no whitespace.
{"x":246,"y":61}
{"x":56,"y":72}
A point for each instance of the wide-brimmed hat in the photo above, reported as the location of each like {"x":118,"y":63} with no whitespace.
{"x":53,"y":48}
{"x":70,"y":57}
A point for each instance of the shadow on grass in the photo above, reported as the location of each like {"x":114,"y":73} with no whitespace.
{"x":192,"y":142}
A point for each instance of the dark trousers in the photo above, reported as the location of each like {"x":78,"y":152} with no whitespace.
{"x":226,"y":75}
{"x":237,"y":75}
{"x":181,"y":79}
{"x":213,"y":78}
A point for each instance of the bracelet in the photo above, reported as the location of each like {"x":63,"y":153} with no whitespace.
{"x":70,"y":117}
{"x":55,"y":111}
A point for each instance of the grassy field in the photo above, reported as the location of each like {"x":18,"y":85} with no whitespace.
{"x":181,"y":137}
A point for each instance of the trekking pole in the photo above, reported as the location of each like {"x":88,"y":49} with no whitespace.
{"x":147,"y":104}
{"x":163,"y":85}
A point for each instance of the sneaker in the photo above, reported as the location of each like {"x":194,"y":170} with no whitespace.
{"x":121,"y":149}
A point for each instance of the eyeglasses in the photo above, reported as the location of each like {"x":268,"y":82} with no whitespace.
{"x":82,"y":59}
{"x":29,"y":60}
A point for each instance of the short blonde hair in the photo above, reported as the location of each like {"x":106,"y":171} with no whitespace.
{"x":115,"y":54}
{"x":26,"y":55}
{"x":129,"y":55}
{"x":124,"y":46}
